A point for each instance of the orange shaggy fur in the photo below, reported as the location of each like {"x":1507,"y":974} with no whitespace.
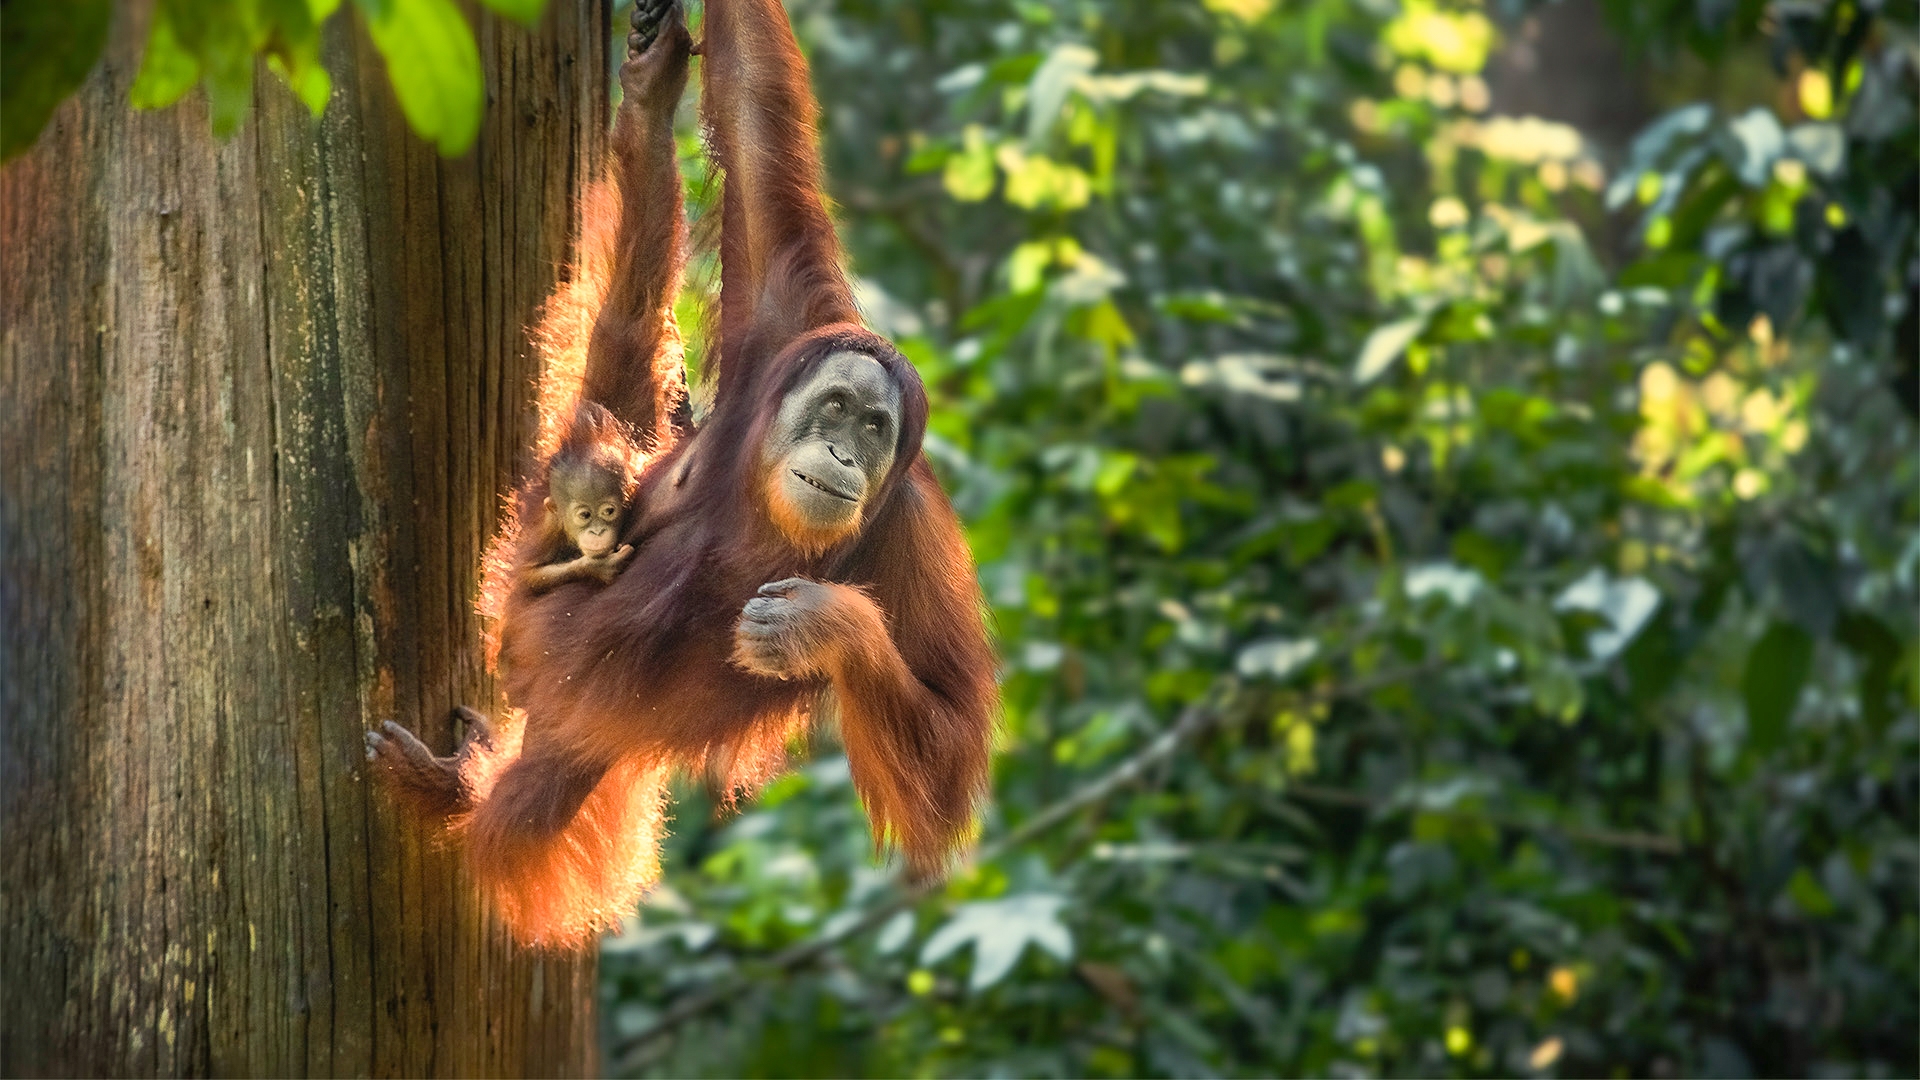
{"x":617,"y":685}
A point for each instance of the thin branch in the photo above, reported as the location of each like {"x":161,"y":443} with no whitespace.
{"x":1192,"y":722}
{"x":1654,"y":843}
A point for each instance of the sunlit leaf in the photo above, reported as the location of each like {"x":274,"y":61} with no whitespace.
{"x":969,"y":173}
{"x":1758,"y":142}
{"x":434,"y":67}
{"x":1626,"y":604}
{"x":1385,"y":345}
{"x":1275,"y":658}
{"x":1458,"y":584}
{"x":1822,"y":146}
{"x":895,"y":934}
{"x":999,"y":931}
{"x":167,"y":71}
{"x":1047,"y":93}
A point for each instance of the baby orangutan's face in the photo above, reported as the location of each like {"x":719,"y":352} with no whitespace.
{"x":589,"y":510}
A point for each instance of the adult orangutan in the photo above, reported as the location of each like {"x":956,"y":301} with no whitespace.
{"x":794,"y":554}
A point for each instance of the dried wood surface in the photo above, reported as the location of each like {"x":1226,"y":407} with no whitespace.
{"x":258,"y":400}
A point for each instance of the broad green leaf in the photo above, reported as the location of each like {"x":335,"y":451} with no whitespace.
{"x":1626,"y":603}
{"x":1275,"y":658}
{"x":1458,"y":584}
{"x":895,"y":935}
{"x":1777,"y":668}
{"x":46,"y":51}
{"x":1109,"y":88}
{"x":1651,"y":145}
{"x":1115,"y":470}
{"x":969,"y":174}
{"x":1035,"y":181}
{"x":309,"y":82}
{"x":1244,"y":373}
{"x":229,"y":93}
{"x":1104,"y":325}
{"x":1027,"y":265}
{"x":1385,"y":345}
{"x":1807,"y":893}
{"x":1047,"y":93}
{"x":225,"y":36}
{"x":434,"y":66}
{"x":1823,"y":147}
{"x":1757,"y":142}
{"x":1557,"y":691}
{"x":999,"y":931}
{"x":1878,"y":652}
{"x":167,"y":71}
{"x":293,"y":51}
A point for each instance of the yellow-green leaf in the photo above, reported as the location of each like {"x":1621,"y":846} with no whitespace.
{"x":434,"y":66}
{"x":1384,"y":346}
{"x":167,"y":71}
{"x":968,"y":175}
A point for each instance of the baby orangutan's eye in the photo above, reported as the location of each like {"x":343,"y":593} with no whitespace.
{"x":609,"y":511}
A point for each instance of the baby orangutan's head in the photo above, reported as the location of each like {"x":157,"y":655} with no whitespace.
{"x":588,"y":481}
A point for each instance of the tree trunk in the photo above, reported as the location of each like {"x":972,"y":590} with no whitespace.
{"x":258,"y":401}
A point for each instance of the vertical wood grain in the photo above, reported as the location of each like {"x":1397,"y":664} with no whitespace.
{"x":258,"y":400}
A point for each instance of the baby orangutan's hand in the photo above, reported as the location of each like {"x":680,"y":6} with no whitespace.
{"x":606,"y":567}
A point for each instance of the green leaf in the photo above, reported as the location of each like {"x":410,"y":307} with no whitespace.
{"x":1047,"y":93}
{"x":309,"y":82}
{"x":1275,"y":658}
{"x":1557,"y":691}
{"x":1757,"y":141}
{"x":1385,"y":345}
{"x":229,"y":94}
{"x":1115,"y":470}
{"x":1777,"y":669}
{"x":999,"y":931}
{"x":434,"y":66}
{"x":46,"y":51}
{"x":1807,"y":893}
{"x":293,"y":50}
{"x":1878,"y":650}
{"x":525,"y":11}
{"x":167,"y":70}
{"x":969,"y":173}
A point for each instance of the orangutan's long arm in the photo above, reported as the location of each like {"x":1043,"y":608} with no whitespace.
{"x":780,"y":270}
{"x":635,"y":366}
{"x":913,"y":682}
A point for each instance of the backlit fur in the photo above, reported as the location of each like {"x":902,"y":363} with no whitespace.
{"x":621,"y":685}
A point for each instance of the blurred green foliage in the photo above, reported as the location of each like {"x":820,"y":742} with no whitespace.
{"x":47,"y":47}
{"x":1535,"y":516}
{"x":1272,"y":359}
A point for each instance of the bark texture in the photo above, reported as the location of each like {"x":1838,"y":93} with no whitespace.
{"x":258,"y":400}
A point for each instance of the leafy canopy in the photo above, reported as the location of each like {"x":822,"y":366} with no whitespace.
{"x":47,"y":47}
{"x":1530,"y":502}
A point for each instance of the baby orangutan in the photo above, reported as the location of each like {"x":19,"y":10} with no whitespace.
{"x":589,"y":481}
